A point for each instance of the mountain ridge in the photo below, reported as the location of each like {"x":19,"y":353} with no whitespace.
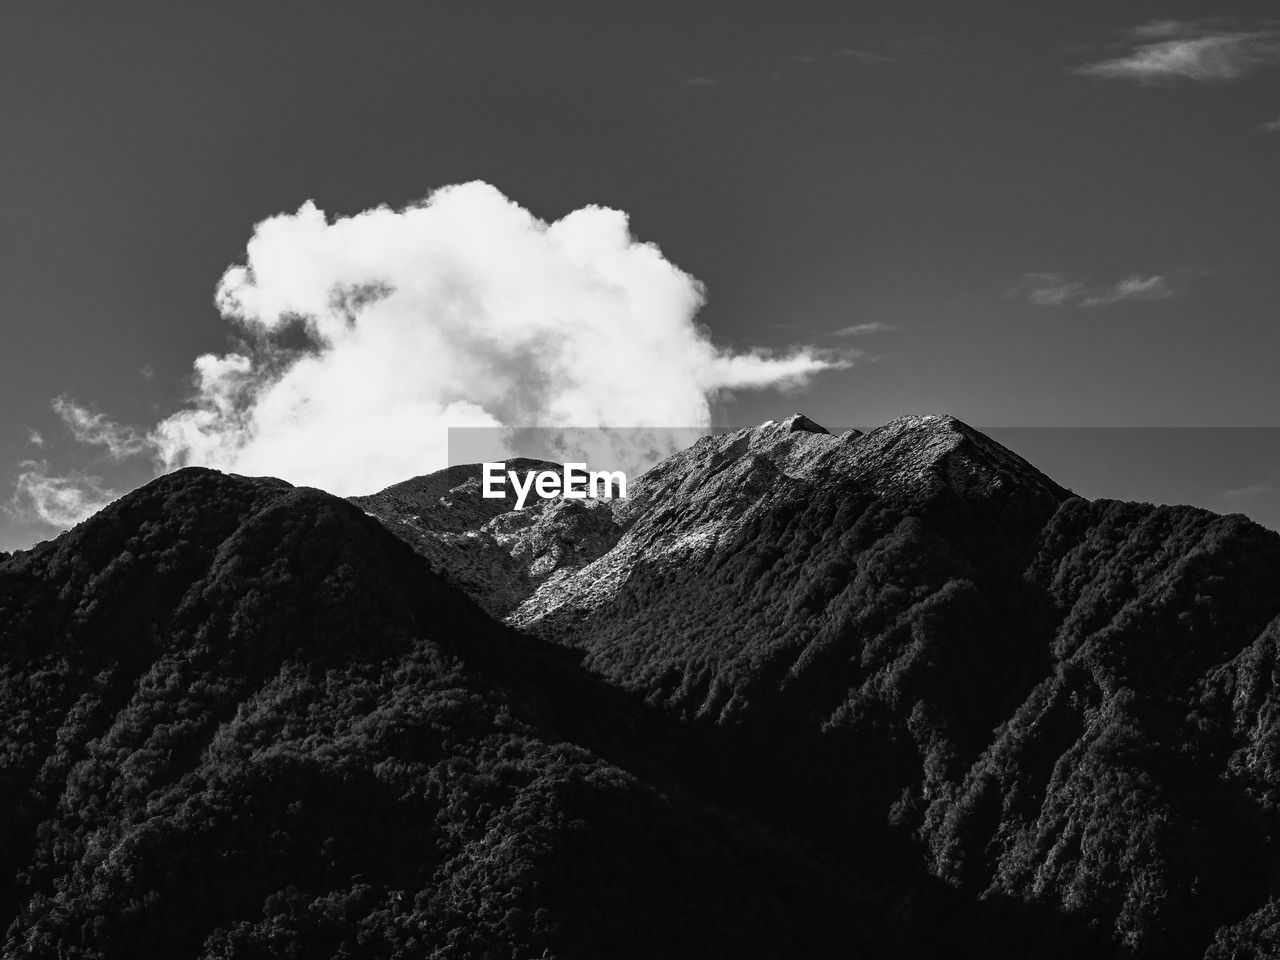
{"x":240,"y":719}
{"x":893,"y":694}
{"x":922,"y":598}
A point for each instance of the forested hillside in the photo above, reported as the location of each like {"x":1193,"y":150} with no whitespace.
{"x":885,"y":695}
{"x":911,"y":644}
{"x":239,"y":719}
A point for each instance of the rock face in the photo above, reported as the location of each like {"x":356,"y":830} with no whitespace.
{"x":916,"y":650}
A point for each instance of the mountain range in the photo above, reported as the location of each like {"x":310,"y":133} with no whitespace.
{"x":882,"y":694}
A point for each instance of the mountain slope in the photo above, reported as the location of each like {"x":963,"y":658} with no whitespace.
{"x":239,"y":719}
{"x":495,"y":553}
{"x":912,"y":644}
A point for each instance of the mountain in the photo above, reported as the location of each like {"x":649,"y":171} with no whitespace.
{"x":883,"y":694}
{"x":912,"y":649}
{"x":241,"y":719}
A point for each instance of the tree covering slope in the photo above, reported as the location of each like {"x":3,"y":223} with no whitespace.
{"x":910,"y":644}
{"x":239,"y":719}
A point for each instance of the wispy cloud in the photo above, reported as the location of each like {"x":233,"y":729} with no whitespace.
{"x":1162,"y":51}
{"x":905,"y":51}
{"x":1136,"y":287}
{"x":1271,"y":126}
{"x":1046,"y":289}
{"x":96,"y":430}
{"x":862,"y":329}
{"x":1246,"y":493}
{"x":825,"y":65}
{"x":1054,"y":290}
{"x":58,"y":501}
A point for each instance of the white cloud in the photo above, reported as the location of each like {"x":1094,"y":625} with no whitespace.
{"x":59,"y":501}
{"x":36,"y":438}
{"x":1054,"y":290}
{"x":462,"y":310}
{"x":1271,"y":126}
{"x":1167,"y":50}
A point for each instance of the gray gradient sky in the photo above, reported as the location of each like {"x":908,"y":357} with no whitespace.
{"x":1020,"y":213}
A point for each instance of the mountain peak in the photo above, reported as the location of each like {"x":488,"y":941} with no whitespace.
{"x":796,"y":423}
{"x":505,"y":558}
{"x":926,"y":452}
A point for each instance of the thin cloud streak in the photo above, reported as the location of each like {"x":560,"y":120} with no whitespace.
{"x":862,"y":329}
{"x":869,"y":58}
{"x":1164,"y":51}
{"x":915,"y":51}
{"x":1246,"y":493}
{"x":1133,"y":288}
{"x":94,"y":429}
{"x":1054,"y":290}
{"x":1046,"y":289}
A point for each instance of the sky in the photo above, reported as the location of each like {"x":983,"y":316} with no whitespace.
{"x":301,"y":238}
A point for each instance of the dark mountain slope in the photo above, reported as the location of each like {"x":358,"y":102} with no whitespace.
{"x":911,"y":644}
{"x":1111,"y":789}
{"x":241,"y":720}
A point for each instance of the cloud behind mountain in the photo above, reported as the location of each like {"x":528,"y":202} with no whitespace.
{"x":361,"y":339}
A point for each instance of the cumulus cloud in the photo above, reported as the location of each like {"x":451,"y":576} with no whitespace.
{"x":59,"y":501}
{"x":1054,"y":290}
{"x":364,"y":338}
{"x":1207,"y":52}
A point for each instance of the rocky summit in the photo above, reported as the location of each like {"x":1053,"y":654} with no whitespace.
{"x":881,"y":694}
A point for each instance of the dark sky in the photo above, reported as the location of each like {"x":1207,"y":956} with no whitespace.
{"x":1023,"y":244}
